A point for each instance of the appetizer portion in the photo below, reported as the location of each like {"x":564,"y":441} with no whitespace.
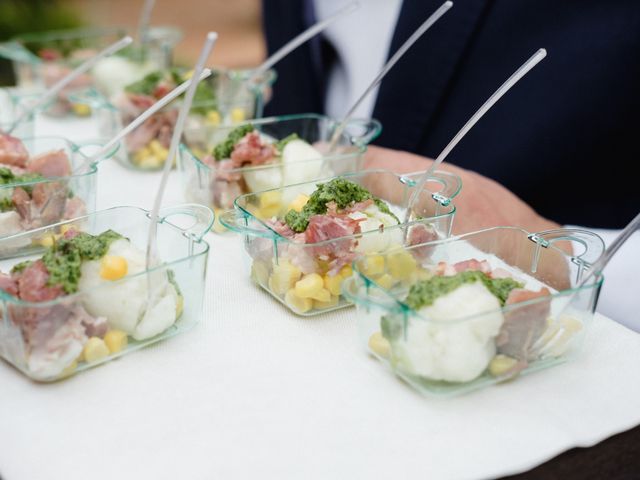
{"x":147,"y":146}
{"x":81,"y":302}
{"x":247,"y":161}
{"x":470,"y":322}
{"x":28,"y":199}
{"x":319,"y":236}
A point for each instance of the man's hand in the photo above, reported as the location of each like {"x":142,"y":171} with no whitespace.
{"x":482,"y":203}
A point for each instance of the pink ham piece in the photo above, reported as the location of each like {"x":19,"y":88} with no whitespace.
{"x":8,"y":284}
{"x":32,"y":284}
{"x":12,"y":151}
{"x":523,"y":325}
{"x":50,"y":164}
{"x":22,"y":203}
{"x":418,"y":234}
{"x":472,"y":264}
{"x":250,"y":150}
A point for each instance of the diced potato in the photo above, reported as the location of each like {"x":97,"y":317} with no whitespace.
{"x":401,"y":264}
{"x":113,"y":267}
{"x":501,"y":364}
{"x":149,"y":162}
{"x":346,"y":271}
{"x":141,"y":155}
{"x":323,"y":295}
{"x":299,"y":202}
{"x":158,"y":150}
{"x":309,"y":286}
{"x":271,"y":198}
{"x":260,"y":272}
{"x":333,"y":283}
{"x":95,"y":349}
{"x":297,"y":304}
{"x":373,"y":265}
{"x":237,"y":115}
{"x":284,"y":277}
{"x":379,"y":345}
{"x":116,"y":340}
{"x":81,"y":109}
{"x":213,"y":118}
{"x":386,"y":281}
{"x":268,"y":212}
{"x":48,"y":240}
{"x":333,"y":301}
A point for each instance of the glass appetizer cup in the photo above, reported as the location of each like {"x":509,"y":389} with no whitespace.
{"x":41,"y":59}
{"x":51,"y":339}
{"x":307,"y":277}
{"x":232,"y":96}
{"x":211,"y":185}
{"x":459,"y":314}
{"x":28,"y":201}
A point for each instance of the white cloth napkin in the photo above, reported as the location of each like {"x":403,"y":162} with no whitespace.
{"x":256,"y":392}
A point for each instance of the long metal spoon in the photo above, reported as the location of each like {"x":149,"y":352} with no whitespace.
{"x":426,"y":25}
{"x":67,"y":79}
{"x":504,"y":88}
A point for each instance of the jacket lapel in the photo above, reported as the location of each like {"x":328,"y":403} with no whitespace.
{"x":412,"y":92}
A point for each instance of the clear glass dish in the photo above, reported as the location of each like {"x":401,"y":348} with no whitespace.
{"x":467,"y":343}
{"x":146,"y":148}
{"x":41,"y":59}
{"x":50,"y":340}
{"x":9,"y":110}
{"x":278,"y":263}
{"x":207,"y":184}
{"x":31,"y":203}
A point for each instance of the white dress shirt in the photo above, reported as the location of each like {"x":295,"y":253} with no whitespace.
{"x":362,"y":42}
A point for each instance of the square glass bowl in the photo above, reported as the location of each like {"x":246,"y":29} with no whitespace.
{"x":278,"y":263}
{"x":50,"y":340}
{"x":473,"y":344}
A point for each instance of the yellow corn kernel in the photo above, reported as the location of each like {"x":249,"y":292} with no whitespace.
{"x":179,"y":305}
{"x":141,"y":155}
{"x":260,"y":272}
{"x":332,"y":302}
{"x":299,"y":202}
{"x":401,"y":264}
{"x":333,"y":283}
{"x":213,"y":118}
{"x":237,"y":115}
{"x":186,"y":76}
{"x":158,"y":150}
{"x":283,"y":277}
{"x":81,"y":109}
{"x":346,"y":271}
{"x":501,"y":364}
{"x":309,"y":286}
{"x":374,"y":265}
{"x":386,"y":281}
{"x":69,"y":369}
{"x":323,"y":295}
{"x":116,"y":340}
{"x":113,"y":267}
{"x":95,"y":349}
{"x":270,"y":198}
{"x":297,"y":304}
{"x":379,"y":345}
{"x":217,"y":226}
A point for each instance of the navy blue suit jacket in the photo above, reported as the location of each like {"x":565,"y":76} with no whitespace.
{"x":547,"y":139}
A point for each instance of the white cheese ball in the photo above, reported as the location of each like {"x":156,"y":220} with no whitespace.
{"x":380,"y":224}
{"x":450,"y":350}
{"x":297,"y":164}
{"x":113,"y":73}
{"x":124,"y":303}
{"x":264,"y":178}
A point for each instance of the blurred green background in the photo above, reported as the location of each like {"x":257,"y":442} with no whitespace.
{"x":24,"y":16}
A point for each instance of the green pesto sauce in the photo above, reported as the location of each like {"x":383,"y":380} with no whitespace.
{"x":339,"y":190}
{"x":424,"y":293}
{"x":7,"y":177}
{"x":64,"y":258}
{"x":6,"y":204}
{"x":223,"y":149}
{"x":203,"y":98}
